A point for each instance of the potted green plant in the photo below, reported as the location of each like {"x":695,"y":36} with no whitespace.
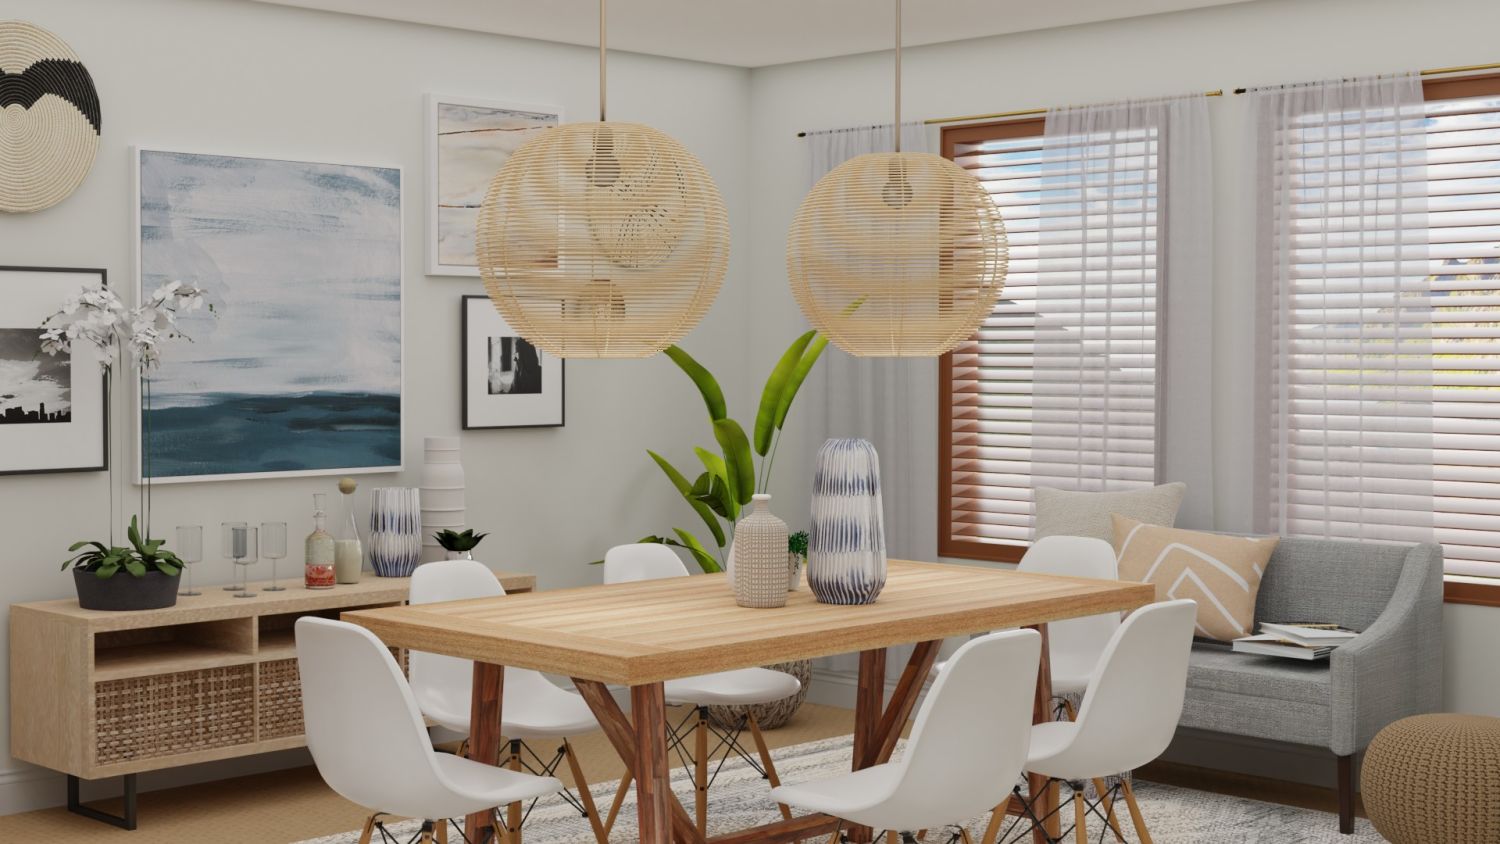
{"x":796,"y":557}
{"x":141,"y":576}
{"x":459,"y":545}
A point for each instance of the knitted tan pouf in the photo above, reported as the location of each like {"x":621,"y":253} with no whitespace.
{"x":1435,"y":779}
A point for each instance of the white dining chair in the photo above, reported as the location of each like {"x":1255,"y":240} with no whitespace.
{"x":745,"y":687}
{"x":533,"y":709}
{"x":1128,"y":716}
{"x":368,"y":741}
{"x":967,"y":746}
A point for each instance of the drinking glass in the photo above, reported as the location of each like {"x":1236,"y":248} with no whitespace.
{"x":227,"y":546}
{"x":189,"y":550}
{"x":240,"y":545}
{"x":273,"y":548}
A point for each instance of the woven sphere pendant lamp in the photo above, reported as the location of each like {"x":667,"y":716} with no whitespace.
{"x":898,"y":254}
{"x":602,"y":240}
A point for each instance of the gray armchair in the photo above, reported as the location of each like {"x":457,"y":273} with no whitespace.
{"x":1393,"y":594}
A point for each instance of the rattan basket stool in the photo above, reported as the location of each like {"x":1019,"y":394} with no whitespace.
{"x":1435,"y":778}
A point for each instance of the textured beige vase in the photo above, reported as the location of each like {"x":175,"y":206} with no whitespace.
{"x":760,"y":569}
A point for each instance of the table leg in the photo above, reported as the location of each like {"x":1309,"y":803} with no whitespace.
{"x":869,"y":703}
{"x":484,"y":735}
{"x":653,"y":788}
{"x":1042,"y":793}
{"x":620,"y":732}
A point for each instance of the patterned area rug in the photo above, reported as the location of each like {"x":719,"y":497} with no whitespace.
{"x":738,"y":800}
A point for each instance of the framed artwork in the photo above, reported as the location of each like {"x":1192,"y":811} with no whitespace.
{"x":54,"y":410}
{"x":300,"y":370}
{"x":467,"y":141}
{"x":507,"y":382}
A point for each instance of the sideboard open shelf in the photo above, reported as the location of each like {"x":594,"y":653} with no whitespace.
{"x":101,"y":694}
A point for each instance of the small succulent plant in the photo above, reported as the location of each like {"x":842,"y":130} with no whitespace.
{"x":460,"y":543}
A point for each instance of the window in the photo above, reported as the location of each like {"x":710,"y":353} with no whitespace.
{"x":1385,"y":392}
{"x":1463,"y":143}
{"x":1006,"y":420}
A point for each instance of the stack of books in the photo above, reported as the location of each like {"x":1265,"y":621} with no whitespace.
{"x":1303,"y":641}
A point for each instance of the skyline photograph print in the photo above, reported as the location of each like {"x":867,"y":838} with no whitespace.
{"x":299,"y":370}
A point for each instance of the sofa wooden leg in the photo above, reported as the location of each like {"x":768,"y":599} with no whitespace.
{"x":1346,"y":794}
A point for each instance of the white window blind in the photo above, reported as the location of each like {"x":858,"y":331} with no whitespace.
{"x":1389,"y":325}
{"x":1003,"y":431}
{"x":1463,"y":142}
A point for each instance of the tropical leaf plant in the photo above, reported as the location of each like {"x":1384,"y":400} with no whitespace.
{"x":143,"y":555}
{"x":730,"y":477}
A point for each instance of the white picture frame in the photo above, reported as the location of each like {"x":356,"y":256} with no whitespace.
{"x":505,"y":381}
{"x":396,"y":323}
{"x":459,"y":175}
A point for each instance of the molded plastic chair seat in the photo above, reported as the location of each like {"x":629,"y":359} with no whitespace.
{"x":747,"y":686}
{"x":1074,"y":644}
{"x":966,"y":748}
{"x":525,"y":716}
{"x":367,"y":738}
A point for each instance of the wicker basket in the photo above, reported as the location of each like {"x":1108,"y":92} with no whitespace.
{"x":169,"y":714}
{"x":279,"y":708}
{"x":769,"y":715}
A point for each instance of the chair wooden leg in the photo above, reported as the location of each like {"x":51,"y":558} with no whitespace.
{"x":584,"y":795}
{"x":765,"y":761}
{"x":834,"y":838}
{"x":614,"y":808}
{"x":1135,"y":812}
{"x":513,"y":811}
{"x":441,"y":828}
{"x":997,"y":818}
{"x":426,"y":835}
{"x":1346,"y":795}
{"x":502,"y":834}
{"x":368,"y":830}
{"x":1072,"y":712}
{"x":1080,"y":830}
{"x":891,"y":837}
{"x":1109,"y":809}
{"x":700,"y":770}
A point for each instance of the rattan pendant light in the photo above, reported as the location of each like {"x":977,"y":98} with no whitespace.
{"x":897,"y":254}
{"x":602,"y":240}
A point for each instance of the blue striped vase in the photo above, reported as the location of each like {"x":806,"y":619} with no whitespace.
{"x":846,"y":541}
{"x":395,"y":531}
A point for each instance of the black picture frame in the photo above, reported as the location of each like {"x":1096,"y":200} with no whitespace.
{"x":466,"y":422}
{"x":104,"y":380}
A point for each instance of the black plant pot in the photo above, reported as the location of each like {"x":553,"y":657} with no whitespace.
{"x":125,"y":591}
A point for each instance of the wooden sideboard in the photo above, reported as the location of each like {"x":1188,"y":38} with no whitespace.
{"x":100,"y":694}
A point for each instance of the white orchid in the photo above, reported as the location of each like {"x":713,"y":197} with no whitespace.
{"x":96,"y":316}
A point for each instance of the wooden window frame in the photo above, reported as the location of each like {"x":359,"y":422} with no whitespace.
{"x":949,"y":545}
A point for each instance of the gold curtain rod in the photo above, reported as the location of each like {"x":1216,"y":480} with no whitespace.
{"x":1435,"y":71}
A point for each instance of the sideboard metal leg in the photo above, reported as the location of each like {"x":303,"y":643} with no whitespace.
{"x":125,"y":821}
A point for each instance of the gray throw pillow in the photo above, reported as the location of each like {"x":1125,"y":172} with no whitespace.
{"x":1062,"y":512}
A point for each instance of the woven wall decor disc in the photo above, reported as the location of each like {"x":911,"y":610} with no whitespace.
{"x":49,"y":118}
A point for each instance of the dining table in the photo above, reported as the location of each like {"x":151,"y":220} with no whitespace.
{"x":643,"y":633}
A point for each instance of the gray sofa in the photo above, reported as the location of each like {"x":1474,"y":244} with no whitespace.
{"x":1392,"y":594}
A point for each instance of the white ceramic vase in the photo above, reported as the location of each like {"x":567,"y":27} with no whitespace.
{"x":443,"y":504}
{"x":760,"y":571}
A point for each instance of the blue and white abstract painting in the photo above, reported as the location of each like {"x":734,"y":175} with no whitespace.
{"x":300,"y":370}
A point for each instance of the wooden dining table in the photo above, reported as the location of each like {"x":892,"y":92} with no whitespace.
{"x":640,"y":634}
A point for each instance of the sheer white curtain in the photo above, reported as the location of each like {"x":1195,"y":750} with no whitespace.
{"x":1345,"y":311}
{"x":1123,"y":355}
{"x":887,"y":401}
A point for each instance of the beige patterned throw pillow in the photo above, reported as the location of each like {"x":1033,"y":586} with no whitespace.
{"x":1222,"y":573}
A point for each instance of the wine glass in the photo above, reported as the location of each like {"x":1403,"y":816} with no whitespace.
{"x":189,"y":550}
{"x":273,"y":548}
{"x":240,"y":545}
{"x":227,"y":543}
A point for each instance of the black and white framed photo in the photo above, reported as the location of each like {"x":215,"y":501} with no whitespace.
{"x":507,"y":382}
{"x":467,"y":142}
{"x":54,"y":410}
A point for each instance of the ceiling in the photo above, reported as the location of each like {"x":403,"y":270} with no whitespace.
{"x":751,"y":33}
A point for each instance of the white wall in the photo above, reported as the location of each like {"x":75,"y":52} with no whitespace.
{"x":248,"y":78}
{"x":1258,"y":43}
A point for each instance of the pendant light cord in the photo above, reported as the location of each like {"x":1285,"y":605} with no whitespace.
{"x":897,"y":128}
{"x":602,"y":60}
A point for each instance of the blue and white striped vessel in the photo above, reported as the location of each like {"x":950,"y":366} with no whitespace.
{"x":846,"y":542}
